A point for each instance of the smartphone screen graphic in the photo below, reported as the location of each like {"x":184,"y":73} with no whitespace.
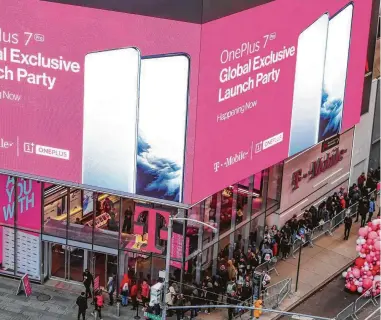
{"x":109,"y":121}
{"x":308,"y":86}
{"x":335,"y":72}
{"x":163,"y":105}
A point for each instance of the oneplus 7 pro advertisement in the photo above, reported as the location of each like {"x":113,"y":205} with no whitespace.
{"x":143,"y":100}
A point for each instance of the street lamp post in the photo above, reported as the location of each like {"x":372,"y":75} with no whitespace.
{"x":168,"y":255}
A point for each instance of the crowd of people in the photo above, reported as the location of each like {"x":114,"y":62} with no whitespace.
{"x":233,"y":281}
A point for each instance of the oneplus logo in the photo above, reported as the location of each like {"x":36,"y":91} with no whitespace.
{"x":29,"y":147}
{"x":258,"y":147}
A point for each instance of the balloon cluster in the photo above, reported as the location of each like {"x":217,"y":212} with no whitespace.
{"x":365,"y":273}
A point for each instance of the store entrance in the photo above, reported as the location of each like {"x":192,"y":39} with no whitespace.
{"x":66,"y":262}
{"x":103,"y":265}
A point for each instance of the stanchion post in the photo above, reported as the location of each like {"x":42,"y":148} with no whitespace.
{"x":297,"y":272}
{"x":137,"y":317}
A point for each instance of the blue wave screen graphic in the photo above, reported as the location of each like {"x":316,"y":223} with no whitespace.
{"x":157,"y":177}
{"x":331,"y":113}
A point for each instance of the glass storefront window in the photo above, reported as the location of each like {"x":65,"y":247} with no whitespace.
{"x":81,"y":217}
{"x":274,"y":187}
{"x":106,"y":221}
{"x":55,"y":210}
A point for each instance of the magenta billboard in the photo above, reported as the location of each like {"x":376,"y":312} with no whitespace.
{"x":174,"y":100}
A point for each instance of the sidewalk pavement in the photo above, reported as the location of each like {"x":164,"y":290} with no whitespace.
{"x":329,"y":255}
{"x":60,"y":306}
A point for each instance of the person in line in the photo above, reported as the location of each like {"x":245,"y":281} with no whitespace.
{"x":363,"y":208}
{"x":372,"y":208}
{"x":111,"y":289}
{"x":134,"y":295}
{"x":361,"y":180}
{"x":348,"y":226}
{"x":82,"y":305}
{"x":231,"y":300}
{"x":98,"y":297}
{"x":124,"y":294}
{"x":180,"y":302}
{"x":88,"y":281}
{"x":145,"y":291}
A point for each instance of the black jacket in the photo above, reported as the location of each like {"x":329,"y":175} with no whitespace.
{"x":88,"y":279}
{"x":82,"y":303}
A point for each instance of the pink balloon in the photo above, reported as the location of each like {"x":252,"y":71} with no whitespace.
{"x":362,"y":250}
{"x":358,"y":248}
{"x":367,"y":283}
{"x":363,"y":232}
{"x":371,"y":254}
{"x":372,"y":235}
{"x":377,"y":245}
{"x":369,"y":241}
{"x":356,"y":272}
{"x":369,"y":258}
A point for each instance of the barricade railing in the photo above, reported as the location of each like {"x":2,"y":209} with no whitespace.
{"x":365,"y":298}
{"x":324,"y":228}
{"x":348,"y":312}
{"x":268,"y":266}
{"x":274,"y":295}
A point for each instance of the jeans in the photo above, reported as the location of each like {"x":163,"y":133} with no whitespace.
{"x":124,"y":300}
{"x":99,"y":310}
{"x":88,"y":291}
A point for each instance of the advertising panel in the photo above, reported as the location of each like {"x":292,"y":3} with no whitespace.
{"x":283,"y":77}
{"x":138,"y":97}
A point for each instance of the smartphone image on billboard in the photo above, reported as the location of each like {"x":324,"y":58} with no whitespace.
{"x":111,"y":84}
{"x":163,"y":106}
{"x":335,"y":72}
{"x":308,"y":86}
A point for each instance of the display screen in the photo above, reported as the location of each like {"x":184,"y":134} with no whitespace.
{"x":335,"y":73}
{"x":308,"y":85}
{"x":162,"y":124}
{"x":109,"y":120}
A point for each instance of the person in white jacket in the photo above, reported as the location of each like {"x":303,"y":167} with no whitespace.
{"x":170,"y":297}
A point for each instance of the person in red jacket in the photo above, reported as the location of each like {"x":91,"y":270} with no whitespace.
{"x":134,"y":295}
{"x":145,"y":292}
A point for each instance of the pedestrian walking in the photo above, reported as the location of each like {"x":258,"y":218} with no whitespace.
{"x":88,"y":281}
{"x":111,"y":289}
{"x":98,"y":304}
{"x":347,"y":226}
{"x":82,"y":305}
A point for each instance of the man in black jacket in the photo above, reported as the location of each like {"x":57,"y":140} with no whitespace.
{"x":348,"y":226}
{"x":88,"y":281}
{"x":82,"y":305}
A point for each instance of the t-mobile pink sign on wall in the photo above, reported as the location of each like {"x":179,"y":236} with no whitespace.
{"x":178,"y":99}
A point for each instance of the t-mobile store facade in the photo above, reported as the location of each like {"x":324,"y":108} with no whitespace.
{"x":56,"y":232}
{"x":199,"y":126}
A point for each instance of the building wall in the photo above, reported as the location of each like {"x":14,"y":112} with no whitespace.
{"x":312,"y":189}
{"x":362,"y":139}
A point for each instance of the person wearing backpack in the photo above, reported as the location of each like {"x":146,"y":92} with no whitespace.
{"x":82,"y":305}
{"x":98,"y":304}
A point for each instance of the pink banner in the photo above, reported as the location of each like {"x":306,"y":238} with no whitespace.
{"x":248,"y":89}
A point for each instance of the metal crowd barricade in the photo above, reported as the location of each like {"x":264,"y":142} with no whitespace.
{"x":348,"y":312}
{"x":276,"y":293}
{"x":364,"y":299}
{"x":268,"y":266}
{"x":322,"y":229}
